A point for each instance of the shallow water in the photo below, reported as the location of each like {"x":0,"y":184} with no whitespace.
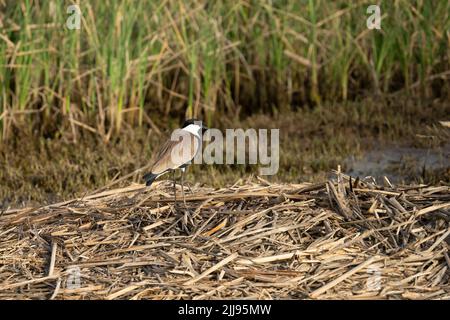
{"x":399,"y":164}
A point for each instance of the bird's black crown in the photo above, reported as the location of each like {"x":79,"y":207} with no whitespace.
{"x":192,"y":121}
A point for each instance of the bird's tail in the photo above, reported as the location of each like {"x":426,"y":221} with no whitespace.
{"x":149,"y":178}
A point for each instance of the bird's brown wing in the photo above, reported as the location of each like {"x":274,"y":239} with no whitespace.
{"x":173,"y":154}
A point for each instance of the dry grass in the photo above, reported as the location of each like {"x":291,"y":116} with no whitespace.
{"x":337,"y":239}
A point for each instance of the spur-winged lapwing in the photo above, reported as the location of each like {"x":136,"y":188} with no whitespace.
{"x":177,"y":153}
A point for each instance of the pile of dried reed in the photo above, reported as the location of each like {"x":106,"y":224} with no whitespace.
{"x":337,"y":239}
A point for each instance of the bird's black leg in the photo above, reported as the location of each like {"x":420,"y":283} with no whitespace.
{"x":189,"y":187}
{"x":174,"y":188}
{"x":182,"y":187}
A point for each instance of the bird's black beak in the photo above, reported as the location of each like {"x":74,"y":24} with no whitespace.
{"x":204,"y":129}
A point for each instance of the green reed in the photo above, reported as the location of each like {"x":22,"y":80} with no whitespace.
{"x":133,"y":62}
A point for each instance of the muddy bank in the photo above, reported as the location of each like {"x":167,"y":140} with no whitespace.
{"x":401,"y":164}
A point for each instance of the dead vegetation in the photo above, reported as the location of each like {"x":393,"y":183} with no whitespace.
{"x":338,"y":239}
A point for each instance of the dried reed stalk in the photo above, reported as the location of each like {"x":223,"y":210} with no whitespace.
{"x":258,"y":240}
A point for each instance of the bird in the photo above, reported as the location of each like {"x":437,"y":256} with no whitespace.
{"x":173,"y":155}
